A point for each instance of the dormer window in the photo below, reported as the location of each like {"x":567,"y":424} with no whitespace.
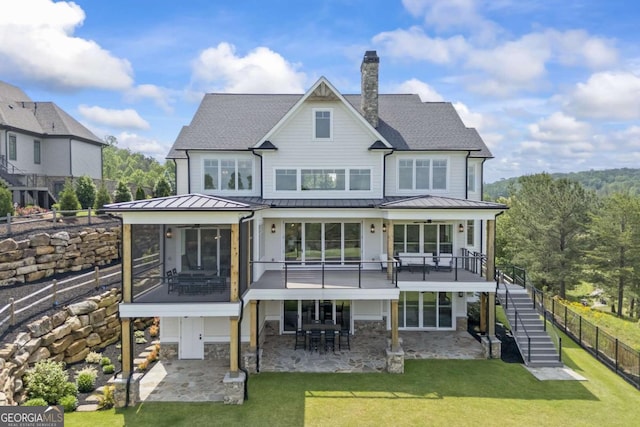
{"x":322,"y":124}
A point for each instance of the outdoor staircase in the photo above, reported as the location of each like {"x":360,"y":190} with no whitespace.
{"x":527,"y":327}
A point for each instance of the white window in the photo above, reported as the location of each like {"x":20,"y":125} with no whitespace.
{"x":13,"y":149}
{"x":422,"y":174}
{"x":471,"y":178}
{"x":322,"y":179}
{"x":360,"y":179}
{"x":36,"y":152}
{"x":470,"y":232}
{"x":322,"y":125}
{"x":286,"y":179}
{"x":228,"y":174}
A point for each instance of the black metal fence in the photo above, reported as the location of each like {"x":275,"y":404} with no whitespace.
{"x":620,"y":357}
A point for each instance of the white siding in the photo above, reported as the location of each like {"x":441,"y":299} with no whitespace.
{"x":196,"y":175}
{"x":182,"y":176}
{"x":476,"y":195}
{"x":55,"y":157}
{"x":347,"y":149}
{"x":169,"y":329}
{"x":86,"y":159}
{"x":456,"y":174}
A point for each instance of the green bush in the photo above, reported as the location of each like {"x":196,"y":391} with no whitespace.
{"x":47,"y":379}
{"x":70,"y":389}
{"x":6,"y":202}
{"x":162,"y":188}
{"x":141,"y":340}
{"x":138,"y":334}
{"x":140,"y":194}
{"x":108,"y":369}
{"x":105,"y":361}
{"x":102,"y":198}
{"x":68,"y":200}
{"x":86,"y":379}
{"x":93,"y":357}
{"x":107,"y":400}
{"x":69,"y":403}
{"x":36,"y":401}
{"x":123,"y":193}
{"x":86,"y":191}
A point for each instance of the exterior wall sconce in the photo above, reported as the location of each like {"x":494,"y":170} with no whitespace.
{"x":384,"y":227}
{"x":169,"y":233}
{"x":460,"y":294}
{"x":273,"y":228}
{"x":373,"y":228}
{"x":461,"y":228}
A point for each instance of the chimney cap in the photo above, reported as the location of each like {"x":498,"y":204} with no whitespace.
{"x":371,"y":56}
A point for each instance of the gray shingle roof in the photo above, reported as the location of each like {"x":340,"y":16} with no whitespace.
{"x":239,"y":121}
{"x":184,"y":202}
{"x":18,"y":111}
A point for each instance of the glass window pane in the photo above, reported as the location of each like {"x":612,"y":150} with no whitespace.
{"x":439,"y":174}
{"x":431,"y":239}
{"x":293,"y":241}
{"x":209,"y":249}
{"x":405,"y":174}
{"x":228,"y":174}
{"x":422,"y":174}
{"x":412,"y":310}
{"x":471,"y":178}
{"x":286,"y":179}
{"x":13,"y":154}
{"x":413,"y":238}
{"x":333,"y":241}
{"x":291,"y":315}
{"x":429,"y":310}
{"x":245,"y":171}
{"x":312,"y":242}
{"x":446,"y":238}
{"x":190,"y":259}
{"x":211,"y":174}
{"x":352,"y":241}
{"x":323,"y":179}
{"x":398,"y":238}
{"x":470,"y":233}
{"x":323,"y":124}
{"x":444,"y":310}
{"x":36,"y":152}
{"x":359,"y":179}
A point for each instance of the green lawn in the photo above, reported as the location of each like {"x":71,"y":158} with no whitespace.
{"x":431,"y":392}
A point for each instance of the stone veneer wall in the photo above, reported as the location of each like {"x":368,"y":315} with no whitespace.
{"x":68,"y":335}
{"x":43,"y":255}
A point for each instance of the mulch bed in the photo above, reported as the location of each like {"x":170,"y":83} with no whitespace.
{"x":510,"y":352}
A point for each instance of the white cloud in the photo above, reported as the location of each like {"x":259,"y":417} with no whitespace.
{"x":159,"y":95}
{"x":140,"y":144}
{"x":415,"y":86}
{"x":260,"y":71}
{"x":577,"y":47}
{"x":470,"y":119}
{"x":607,"y":95}
{"x":123,"y":119}
{"x":38,"y":43}
{"x":560,"y":128}
{"x":415,"y":44}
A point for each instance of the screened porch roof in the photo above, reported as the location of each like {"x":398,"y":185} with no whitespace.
{"x":184,"y":202}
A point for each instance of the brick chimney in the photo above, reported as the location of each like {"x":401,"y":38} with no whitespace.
{"x":369,"y":89}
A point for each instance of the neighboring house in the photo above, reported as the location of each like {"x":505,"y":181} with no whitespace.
{"x":365,"y":210}
{"x":40,"y":146}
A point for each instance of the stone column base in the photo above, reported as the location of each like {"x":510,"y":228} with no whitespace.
{"x":493,"y":351}
{"x":234,"y":388}
{"x":250,"y":360}
{"x":120,"y":391}
{"x":395,"y":361}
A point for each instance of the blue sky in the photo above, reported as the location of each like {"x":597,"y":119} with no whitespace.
{"x":551,"y":85}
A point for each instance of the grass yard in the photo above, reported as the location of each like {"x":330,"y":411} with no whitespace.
{"x":431,"y":392}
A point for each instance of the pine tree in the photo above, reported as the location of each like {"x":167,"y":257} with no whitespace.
{"x":68,"y":200}
{"x":102,"y":198}
{"x":86,"y":191}
{"x":123,"y":193}
{"x":162,"y":188}
{"x":6,"y":201}
{"x":140,"y":194}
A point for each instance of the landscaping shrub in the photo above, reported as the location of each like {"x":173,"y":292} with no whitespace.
{"x":93,"y":357}
{"x":108,"y":369}
{"x":102,"y":198}
{"x":123,"y":193}
{"x":143,"y":365}
{"x":138,"y":334}
{"x":107,"y":400}
{"x":6,"y":201}
{"x":70,"y":389}
{"x":69,"y":403}
{"x":153,"y":331}
{"x":36,"y":401}
{"x":140,"y":195}
{"x":48,"y":380}
{"x":162,"y":188}
{"x":105,"y":361}
{"x":86,"y":191}
{"x":86,"y":379}
{"x":68,"y":200}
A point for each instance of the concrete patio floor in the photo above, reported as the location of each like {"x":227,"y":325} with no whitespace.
{"x":201,"y":380}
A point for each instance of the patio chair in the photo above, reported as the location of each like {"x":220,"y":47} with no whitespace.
{"x":314,"y":339}
{"x":301,"y":340}
{"x":172,"y":279}
{"x":344,"y":336}
{"x":330,"y":340}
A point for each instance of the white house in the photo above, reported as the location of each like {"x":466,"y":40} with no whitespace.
{"x":361,"y":210}
{"x":40,"y":146}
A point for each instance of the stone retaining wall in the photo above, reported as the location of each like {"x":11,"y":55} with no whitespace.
{"x":68,"y":335}
{"x":43,"y":255}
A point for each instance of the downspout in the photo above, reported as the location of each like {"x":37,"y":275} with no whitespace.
{"x":384,"y":173}
{"x":466,"y":176}
{"x":258,"y":337}
{"x":188,"y":172}
{"x":482,"y":179}
{"x":495,"y":307}
{"x":261,"y":171}
{"x":70,"y":160}
{"x":246,"y":373}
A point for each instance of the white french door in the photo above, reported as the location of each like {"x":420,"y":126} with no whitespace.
{"x":425,"y":310}
{"x":313,"y":242}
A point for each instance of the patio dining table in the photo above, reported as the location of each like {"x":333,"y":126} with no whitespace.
{"x":308,"y":327}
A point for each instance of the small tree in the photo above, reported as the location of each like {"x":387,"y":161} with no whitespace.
{"x":102,"y":198}
{"x":68,"y":200}
{"x":140,"y":194}
{"x":162,"y":188}
{"x":123,"y":193}
{"x":6,"y":202}
{"x":86,"y":191}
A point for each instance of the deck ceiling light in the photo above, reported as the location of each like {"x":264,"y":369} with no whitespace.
{"x":273,"y":228}
{"x":373,"y":228}
{"x":169,"y":233}
{"x":384,"y":227}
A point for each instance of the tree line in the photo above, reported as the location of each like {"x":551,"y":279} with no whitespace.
{"x":563,"y":233}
